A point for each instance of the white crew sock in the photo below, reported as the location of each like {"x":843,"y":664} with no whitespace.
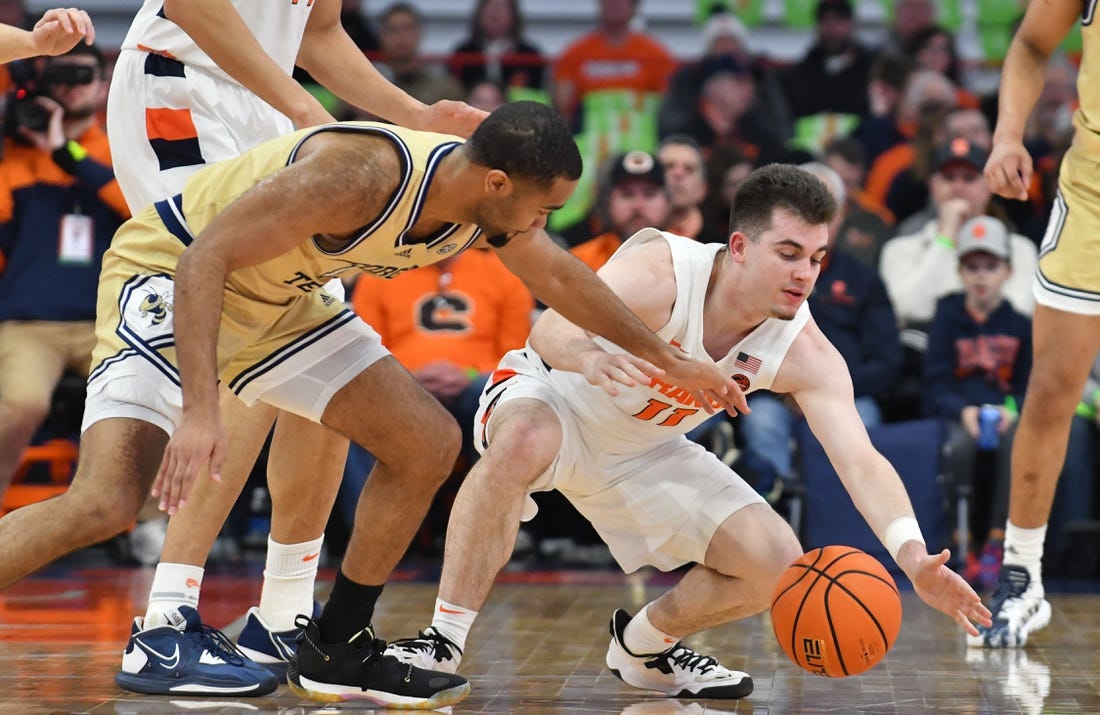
{"x":1024,"y":547}
{"x":643,"y":638}
{"x":453,"y":622}
{"x":289,"y":576}
{"x":174,"y":585}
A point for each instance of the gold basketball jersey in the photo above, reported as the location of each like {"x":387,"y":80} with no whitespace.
{"x":269,"y":306}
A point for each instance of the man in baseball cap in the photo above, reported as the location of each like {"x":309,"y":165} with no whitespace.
{"x":959,"y":152}
{"x":632,"y":197}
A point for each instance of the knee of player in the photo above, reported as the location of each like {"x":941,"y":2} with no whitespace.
{"x":530,"y":437}
{"x":1050,"y":397}
{"x":433,"y":457}
{"x":97,"y":514}
{"x":785,"y":551}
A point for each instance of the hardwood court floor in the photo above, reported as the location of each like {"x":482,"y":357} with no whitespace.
{"x":539,"y":647}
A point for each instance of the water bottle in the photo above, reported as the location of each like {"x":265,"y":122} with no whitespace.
{"x":988,"y":419}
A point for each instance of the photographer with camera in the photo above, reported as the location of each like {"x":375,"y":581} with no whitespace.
{"x":57,"y":32}
{"x":59,"y":207}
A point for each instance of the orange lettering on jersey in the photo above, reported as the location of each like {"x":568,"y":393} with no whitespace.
{"x":677,"y":393}
{"x":682,"y":396}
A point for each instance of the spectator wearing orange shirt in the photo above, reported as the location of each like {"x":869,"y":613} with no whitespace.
{"x":635,"y":196}
{"x":610,"y":57}
{"x":448,"y":324}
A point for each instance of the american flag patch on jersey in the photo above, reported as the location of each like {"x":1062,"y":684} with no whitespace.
{"x":747,"y":362}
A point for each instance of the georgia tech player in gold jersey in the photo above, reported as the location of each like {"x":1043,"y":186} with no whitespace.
{"x":1066,"y":324}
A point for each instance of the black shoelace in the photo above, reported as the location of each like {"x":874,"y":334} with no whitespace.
{"x":688,"y":659}
{"x":218,"y":644}
{"x":441,"y":647}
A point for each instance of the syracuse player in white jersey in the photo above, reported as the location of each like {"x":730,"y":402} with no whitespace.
{"x":574,"y":413}
{"x":199,"y":81}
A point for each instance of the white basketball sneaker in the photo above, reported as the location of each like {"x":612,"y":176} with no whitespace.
{"x":678,"y":672}
{"x":1019,"y":609}
{"x":431,"y":650}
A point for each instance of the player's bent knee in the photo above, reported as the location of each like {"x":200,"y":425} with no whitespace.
{"x":95,"y":517}
{"x":432,"y":461}
{"x":786,"y":550}
{"x":533,"y":441}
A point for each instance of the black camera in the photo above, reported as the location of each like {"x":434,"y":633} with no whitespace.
{"x":22,"y":107}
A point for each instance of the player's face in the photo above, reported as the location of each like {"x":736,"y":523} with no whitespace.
{"x":524,"y":207}
{"x":785,"y":263}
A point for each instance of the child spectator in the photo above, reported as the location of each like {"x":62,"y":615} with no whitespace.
{"x":979,"y":354}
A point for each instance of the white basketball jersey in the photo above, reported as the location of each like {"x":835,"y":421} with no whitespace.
{"x":277,"y":24}
{"x":647,"y":414}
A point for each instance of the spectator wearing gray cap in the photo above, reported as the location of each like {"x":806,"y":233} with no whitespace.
{"x":921,"y":267}
{"x":632,"y":196}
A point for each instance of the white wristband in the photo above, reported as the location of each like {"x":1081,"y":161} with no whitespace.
{"x":901,"y":530}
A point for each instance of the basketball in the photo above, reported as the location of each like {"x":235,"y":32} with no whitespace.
{"x":836,"y":611}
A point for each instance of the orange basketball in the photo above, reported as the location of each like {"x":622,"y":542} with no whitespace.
{"x":836,"y":611}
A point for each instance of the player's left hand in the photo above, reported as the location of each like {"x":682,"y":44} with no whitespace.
{"x":197,"y":444}
{"x":450,"y":117}
{"x":60,"y":29}
{"x":941,"y":588}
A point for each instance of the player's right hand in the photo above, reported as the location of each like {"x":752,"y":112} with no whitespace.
{"x":943,"y":589}
{"x":60,"y":29}
{"x":197,"y":444}
{"x":1008,"y":170}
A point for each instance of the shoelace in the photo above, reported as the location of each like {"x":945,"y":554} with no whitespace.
{"x":217,"y":643}
{"x":688,"y":659}
{"x":368,"y":645}
{"x":435,"y":643}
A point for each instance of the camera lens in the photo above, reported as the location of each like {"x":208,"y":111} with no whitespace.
{"x":27,"y":113}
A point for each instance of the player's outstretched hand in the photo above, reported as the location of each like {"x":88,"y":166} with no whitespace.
{"x":1008,"y":170}
{"x":943,"y":589}
{"x":60,"y":29}
{"x":197,"y":444}
{"x":606,"y":370}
